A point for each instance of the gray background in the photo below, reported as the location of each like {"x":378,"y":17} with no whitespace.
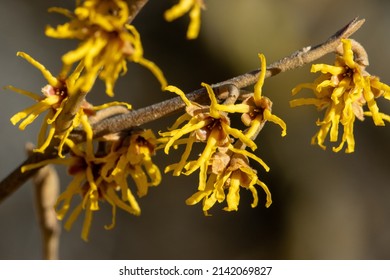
{"x":326,"y":205}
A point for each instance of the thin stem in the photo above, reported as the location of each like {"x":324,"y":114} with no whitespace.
{"x":135,"y":6}
{"x":47,"y":188}
{"x":154,"y":112}
{"x":70,"y":110}
{"x":16,"y":178}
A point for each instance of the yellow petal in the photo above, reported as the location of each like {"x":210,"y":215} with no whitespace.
{"x":324,"y":68}
{"x":32,"y":95}
{"x":89,"y":135}
{"x":178,"y":10}
{"x":87,"y":224}
{"x":319,"y":103}
{"x":180,"y":165}
{"x":156,"y":71}
{"x":239,"y":135}
{"x":233,"y":196}
{"x":42,"y":163}
{"x":206,"y":154}
{"x":180,"y":93}
{"x":189,"y":127}
{"x":265,"y":188}
{"x":340,"y":90}
{"x":196,"y":197}
{"x":73,"y":216}
{"x":372,"y":106}
{"x":348,"y":53}
{"x":383,"y":116}
{"x":273,"y":118}
{"x":259,"y":84}
{"x":255,"y":196}
{"x":209,"y":202}
{"x":111,"y":104}
{"x":301,"y":86}
{"x":140,"y":180}
{"x":53,"y":81}
{"x":66,"y":197}
{"x":194,"y":26}
{"x":46,"y":142}
{"x":113,"y":215}
{"x":213,"y":110}
{"x":132,"y":208}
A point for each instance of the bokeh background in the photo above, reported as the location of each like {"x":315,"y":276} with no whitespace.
{"x":325,"y":205}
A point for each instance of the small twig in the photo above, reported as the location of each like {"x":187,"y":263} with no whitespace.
{"x":47,"y":188}
{"x":233,"y":94}
{"x":16,"y":178}
{"x":135,"y":6}
{"x":154,"y":112}
{"x":70,"y":110}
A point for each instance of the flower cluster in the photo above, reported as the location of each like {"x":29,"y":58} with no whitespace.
{"x":184,"y":6}
{"x":53,"y":101}
{"x":107,"y":42}
{"x":101,"y":167}
{"x":344,"y":89}
{"x":224,"y":163}
{"x":102,"y":176}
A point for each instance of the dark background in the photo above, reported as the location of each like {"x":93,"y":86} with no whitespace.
{"x":325,"y":205}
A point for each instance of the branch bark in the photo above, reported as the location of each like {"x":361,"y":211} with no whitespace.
{"x":47,"y":188}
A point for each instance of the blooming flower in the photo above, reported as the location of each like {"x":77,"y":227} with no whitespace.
{"x":107,"y":42}
{"x":344,"y":89}
{"x":55,"y":95}
{"x":260,"y":107}
{"x":224,"y":163}
{"x":134,"y":157}
{"x":185,"y":6}
{"x":101,"y":176}
{"x":209,"y":124}
{"x":237,"y":173}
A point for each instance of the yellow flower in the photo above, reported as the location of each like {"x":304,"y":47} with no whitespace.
{"x":260,"y":107}
{"x":101,"y":176}
{"x":55,"y":96}
{"x":107,"y":42}
{"x":236,"y":174}
{"x":134,"y":158}
{"x":183,"y":7}
{"x":109,"y":15}
{"x":344,"y":89}
{"x":224,"y":163}
{"x":92,"y":187}
{"x":209,"y":124}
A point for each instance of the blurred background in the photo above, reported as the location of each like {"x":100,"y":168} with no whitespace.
{"x":325,"y":205}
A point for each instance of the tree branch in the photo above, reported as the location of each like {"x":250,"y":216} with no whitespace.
{"x":154,"y":112}
{"x":16,"y":178}
{"x":47,"y":188}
